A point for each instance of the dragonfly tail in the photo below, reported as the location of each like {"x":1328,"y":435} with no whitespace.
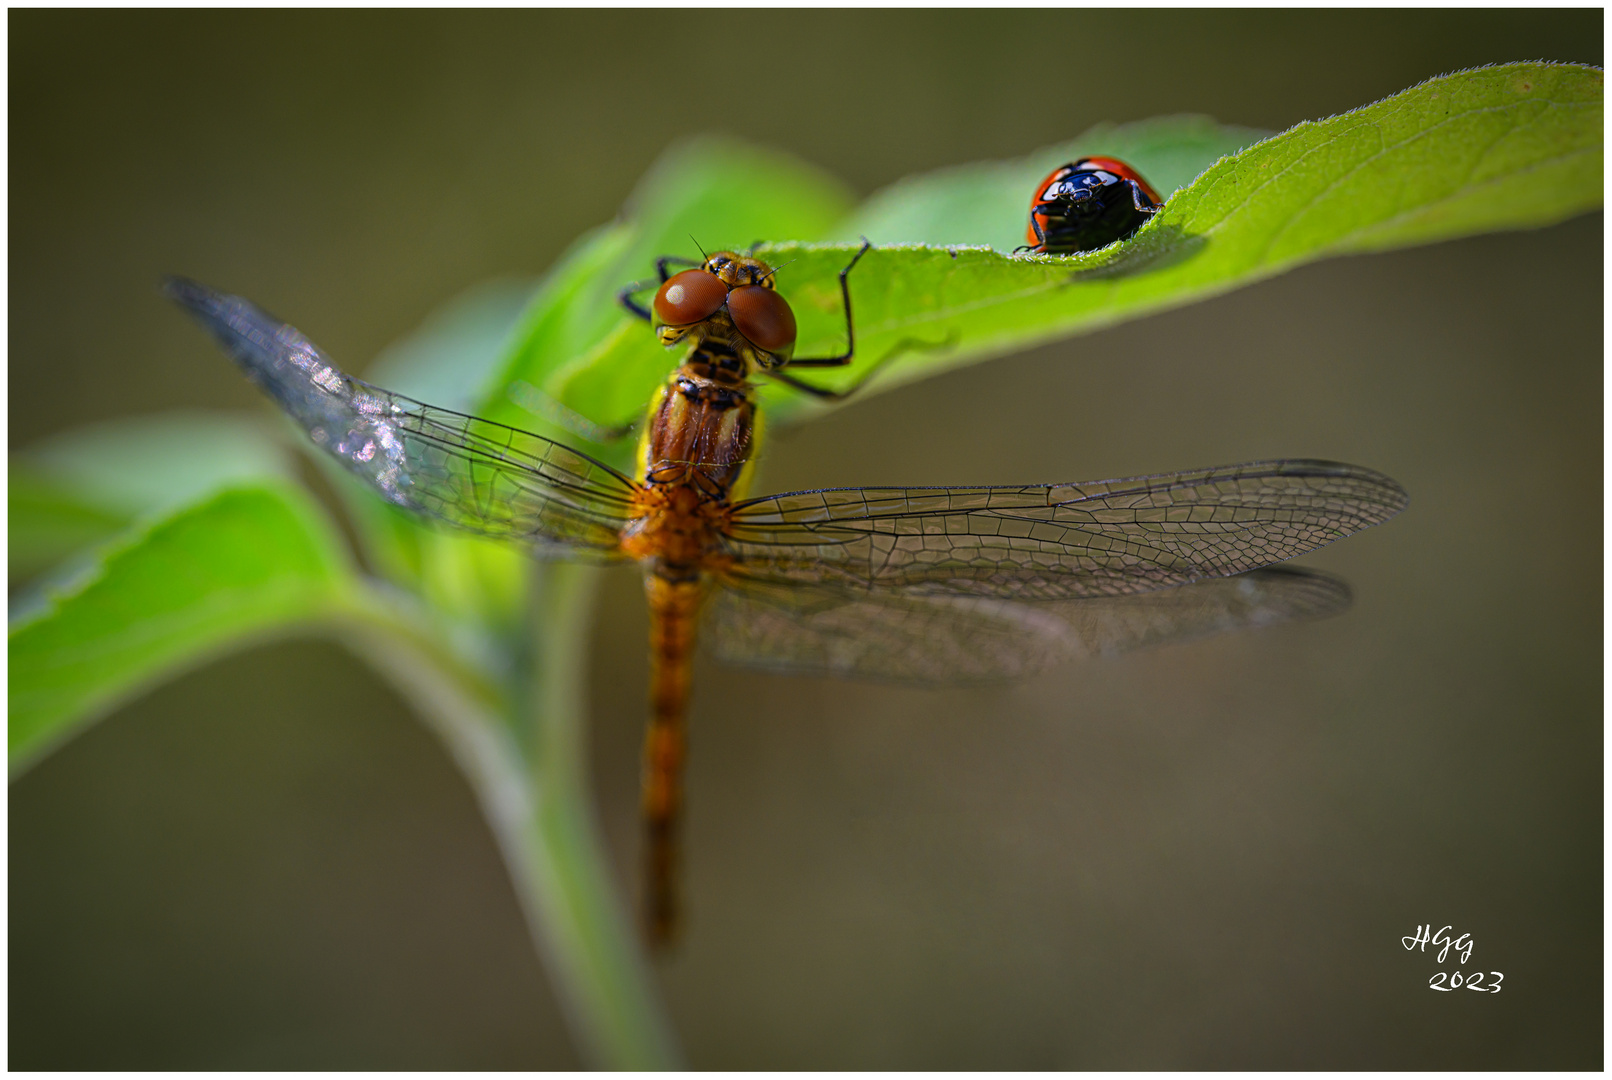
{"x":673,"y":609}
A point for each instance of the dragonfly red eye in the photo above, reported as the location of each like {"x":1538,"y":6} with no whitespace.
{"x":689,"y":297}
{"x":763,"y":317}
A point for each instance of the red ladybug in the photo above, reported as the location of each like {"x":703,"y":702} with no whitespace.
{"x":1089,"y":204}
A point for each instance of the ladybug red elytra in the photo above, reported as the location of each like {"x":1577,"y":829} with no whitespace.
{"x":1088,"y":204}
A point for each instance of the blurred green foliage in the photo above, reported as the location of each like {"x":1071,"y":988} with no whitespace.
{"x":236,"y":564}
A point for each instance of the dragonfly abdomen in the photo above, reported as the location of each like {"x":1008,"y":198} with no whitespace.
{"x":673,"y":610}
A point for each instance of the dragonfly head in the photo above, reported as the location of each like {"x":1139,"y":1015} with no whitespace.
{"x":732,"y":296}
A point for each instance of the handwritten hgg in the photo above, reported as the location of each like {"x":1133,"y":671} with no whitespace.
{"x":1446,"y":944}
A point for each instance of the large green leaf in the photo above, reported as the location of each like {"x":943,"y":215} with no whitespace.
{"x":85,"y":485}
{"x":1507,"y":147}
{"x":47,"y":523}
{"x":457,"y":349}
{"x":242,"y":563}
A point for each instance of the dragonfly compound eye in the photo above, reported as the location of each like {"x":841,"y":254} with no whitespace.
{"x":690,"y":297}
{"x":763,"y":317}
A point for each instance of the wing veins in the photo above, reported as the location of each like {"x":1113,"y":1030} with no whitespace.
{"x":518,"y":470}
{"x":1117,"y":536}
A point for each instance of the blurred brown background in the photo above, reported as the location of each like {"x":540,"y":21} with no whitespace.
{"x":1201,"y":857}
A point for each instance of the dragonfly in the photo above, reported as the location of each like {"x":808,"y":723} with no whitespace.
{"x":926,"y":585}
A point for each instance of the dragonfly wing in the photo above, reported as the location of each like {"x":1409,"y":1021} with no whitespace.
{"x":1108,"y":625}
{"x":482,"y":476}
{"x":1058,"y":541}
{"x":916,"y":639}
{"x":965,"y":639}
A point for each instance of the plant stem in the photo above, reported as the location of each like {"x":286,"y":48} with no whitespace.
{"x":584,"y":927}
{"x":530,"y":776}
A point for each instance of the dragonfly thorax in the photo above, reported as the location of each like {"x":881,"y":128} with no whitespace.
{"x":677,"y":533}
{"x":720,"y":353}
{"x":700,"y":432}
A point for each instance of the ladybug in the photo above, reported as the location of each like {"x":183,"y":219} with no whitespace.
{"x":1089,"y":204}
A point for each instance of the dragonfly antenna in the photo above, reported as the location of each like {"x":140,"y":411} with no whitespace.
{"x":775,"y":269}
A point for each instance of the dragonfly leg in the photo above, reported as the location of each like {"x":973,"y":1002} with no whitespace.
{"x":905,"y":345}
{"x":681,"y":260}
{"x":626,"y":295}
{"x":542,"y":404}
{"x":850,"y":331}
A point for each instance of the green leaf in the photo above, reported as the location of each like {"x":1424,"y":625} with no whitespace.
{"x":46,"y":523}
{"x":456,"y":351}
{"x":1514,"y":146}
{"x":714,"y":192}
{"x":83,"y":486}
{"x":144,"y":463}
{"x":245,"y":562}
{"x":567,"y":315}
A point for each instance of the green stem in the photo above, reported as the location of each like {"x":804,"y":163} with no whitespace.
{"x":529,"y":774}
{"x":588,"y":930}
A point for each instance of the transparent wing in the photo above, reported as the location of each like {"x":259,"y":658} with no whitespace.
{"x":963,"y":639}
{"x":1057,"y":541}
{"x":479,"y":475}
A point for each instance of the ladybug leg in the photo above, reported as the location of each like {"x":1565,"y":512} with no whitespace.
{"x":850,"y":331}
{"x":1039,"y":247}
{"x":1140,"y":201}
